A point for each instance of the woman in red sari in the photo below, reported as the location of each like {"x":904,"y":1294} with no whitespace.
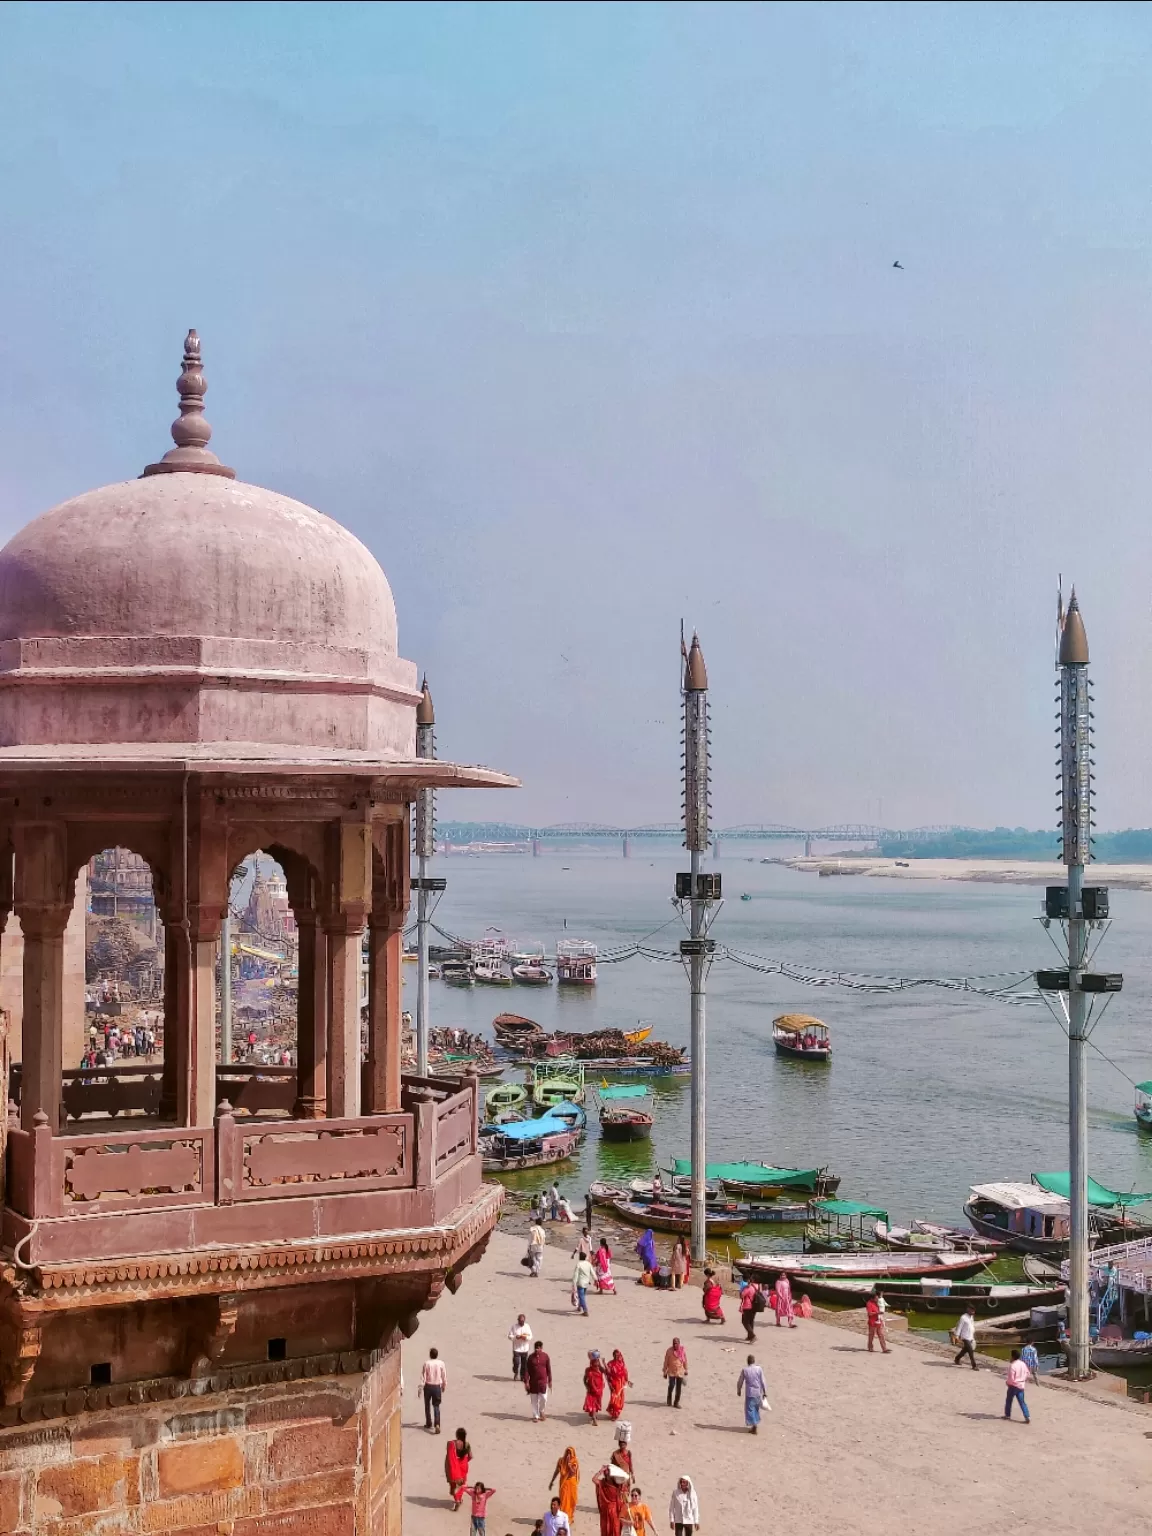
{"x":593,"y":1385}
{"x":617,"y":1374}
{"x":456,"y":1461}
{"x":611,"y":1500}
{"x":712,"y":1298}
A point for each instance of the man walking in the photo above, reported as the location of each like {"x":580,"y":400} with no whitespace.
{"x":876,"y":1330}
{"x":521,"y":1335}
{"x":755,"y":1389}
{"x":966,"y":1337}
{"x":583,"y":1278}
{"x":536,"y":1240}
{"x":1017,"y":1379}
{"x":433,"y":1380}
{"x":554,"y":1201}
{"x":537,"y":1379}
{"x":555,"y":1522}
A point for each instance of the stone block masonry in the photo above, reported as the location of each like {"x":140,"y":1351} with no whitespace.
{"x":317,"y":1457}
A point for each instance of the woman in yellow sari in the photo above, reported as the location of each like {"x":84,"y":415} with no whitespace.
{"x":568,"y":1471}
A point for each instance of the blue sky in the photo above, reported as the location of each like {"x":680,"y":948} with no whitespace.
{"x":584,"y":317}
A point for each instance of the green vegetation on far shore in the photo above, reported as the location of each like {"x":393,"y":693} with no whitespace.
{"x":1133,"y":846}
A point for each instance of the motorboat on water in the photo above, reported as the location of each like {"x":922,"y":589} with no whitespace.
{"x":532,"y":974}
{"x":843,"y":1226}
{"x":550,"y":1138}
{"x":802,"y":1037}
{"x":1144,"y":1106}
{"x":926,"y":1293}
{"x":576,"y":963}
{"x":457,"y":973}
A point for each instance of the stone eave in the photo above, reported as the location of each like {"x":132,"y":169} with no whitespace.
{"x":208,"y":1271}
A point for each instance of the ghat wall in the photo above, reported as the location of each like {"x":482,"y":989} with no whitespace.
{"x":314,"y":1457}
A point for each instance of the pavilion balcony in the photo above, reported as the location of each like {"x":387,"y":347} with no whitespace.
{"x":256,"y":1175}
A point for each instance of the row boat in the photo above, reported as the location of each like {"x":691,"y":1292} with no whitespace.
{"x":760,"y":1181}
{"x":558,"y":1083}
{"x":505,"y":1099}
{"x":802,"y":1037}
{"x":675,"y":1218}
{"x":625,"y":1112}
{"x":924,"y":1294}
{"x":881,"y":1265}
{"x":928,"y":1236}
{"x":1122,"y":1352}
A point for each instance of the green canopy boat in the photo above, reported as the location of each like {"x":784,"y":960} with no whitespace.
{"x":760,"y":1181}
{"x":1106,"y":1199}
{"x":843,"y":1226}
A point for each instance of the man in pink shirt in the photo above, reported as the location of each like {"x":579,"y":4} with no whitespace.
{"x":1017,"y":1378}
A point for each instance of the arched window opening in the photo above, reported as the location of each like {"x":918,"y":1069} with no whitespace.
{"x":264,"y":969}
{"x":123,"y":964}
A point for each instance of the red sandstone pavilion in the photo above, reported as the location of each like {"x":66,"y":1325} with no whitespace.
{"x":200,"y":1308}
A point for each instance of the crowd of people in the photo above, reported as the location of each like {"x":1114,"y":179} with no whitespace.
{"x":620,"y":1502}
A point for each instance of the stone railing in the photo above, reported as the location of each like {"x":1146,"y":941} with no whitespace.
{"x":175,"y":1187}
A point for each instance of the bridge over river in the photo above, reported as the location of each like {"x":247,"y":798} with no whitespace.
{"x":465,"y":832}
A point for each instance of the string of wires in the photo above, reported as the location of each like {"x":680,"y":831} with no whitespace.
{"x":1017,"y":988}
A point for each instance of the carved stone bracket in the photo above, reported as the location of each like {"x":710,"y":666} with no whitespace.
{"x":18,"y":1366}
{"x":221,"y":1315}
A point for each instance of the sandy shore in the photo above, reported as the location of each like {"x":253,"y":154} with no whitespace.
{"x":856,"y":1443}
{"x":992,"y":871}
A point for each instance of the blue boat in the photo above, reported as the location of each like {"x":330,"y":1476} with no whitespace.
{"x":550,"y":1138}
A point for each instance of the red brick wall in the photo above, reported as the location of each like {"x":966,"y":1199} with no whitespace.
{"x":310,"y":1458}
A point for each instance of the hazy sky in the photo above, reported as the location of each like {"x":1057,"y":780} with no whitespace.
{"x":584,"y":318}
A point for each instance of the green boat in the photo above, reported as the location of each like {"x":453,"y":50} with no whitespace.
{"x":760,"y":1181}
{"x":843,"y":1226}
{"x":505,"y":1100}
{"x":558,"y":1082}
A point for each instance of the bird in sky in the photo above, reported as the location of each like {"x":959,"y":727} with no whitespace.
{"x":898,"y":266}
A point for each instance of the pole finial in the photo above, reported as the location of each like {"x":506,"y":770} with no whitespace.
{"x":1073,"y":637}
{"x":190,"y":431}
{"x":695,"y":672}
{"x":425,"y":714}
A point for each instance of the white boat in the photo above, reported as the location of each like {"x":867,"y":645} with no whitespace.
{"x":531,"y":973}
{"x":576,"y":963}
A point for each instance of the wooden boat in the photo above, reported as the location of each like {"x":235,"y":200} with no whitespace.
{"x":1144,"y":1106}
{"x":925,"y":1294}
{"x":501,"y":1155}
{"x":638,"y":1036}
{"x":505,"y":1100}
{"x":761,"y":1181}
{"x":456,"y":973}
{"x":1023,"y":1217}
{"x":560,"y":1082}
{"x":1042,"y":1271}
{"x":575,"y":963}
{"x":492,"y":973}
{"x":513,"y":1029}
{"x":801,"y":1036}
{"x":843,"y":1226}
{"x":1116,"y":1354}
{"x":881,"y":1265}
{"x":625,"y":1112}
{"x":530,"y":974}
{"x":1017,"y":1328}
{"x":673,"y":1218}
{"x":924,"y":1236}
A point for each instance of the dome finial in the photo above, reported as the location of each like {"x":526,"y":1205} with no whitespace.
{"x":190,"y":430}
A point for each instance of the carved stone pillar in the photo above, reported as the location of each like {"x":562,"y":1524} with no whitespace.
{"x":196,"y":1061}
{"x":175,"y":1008}
{"x":343,"y":1060}
{"x":385,"y":964}
{"x":311,"y":1017}
{"x":42,"y":903}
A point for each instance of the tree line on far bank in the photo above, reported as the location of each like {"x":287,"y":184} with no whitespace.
{"x":1133,"y":846}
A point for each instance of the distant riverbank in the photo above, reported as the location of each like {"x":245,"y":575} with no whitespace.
{"x":1137,"y":877}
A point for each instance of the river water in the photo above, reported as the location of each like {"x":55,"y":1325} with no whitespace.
{"x":928,"y":1091}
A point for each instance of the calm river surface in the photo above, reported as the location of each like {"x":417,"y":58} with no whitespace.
{"x":928,"y":1091}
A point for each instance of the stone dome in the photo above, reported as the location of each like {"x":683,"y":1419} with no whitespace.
{"x":187,"y":608}
{"x":195,"y":555}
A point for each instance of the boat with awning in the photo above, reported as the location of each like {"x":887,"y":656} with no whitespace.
{"x":625,"y":1112}
{"x":760,"y":1181}
{"x":802,"y":1037}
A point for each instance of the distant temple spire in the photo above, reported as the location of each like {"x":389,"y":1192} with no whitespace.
{"x":190,"y":430}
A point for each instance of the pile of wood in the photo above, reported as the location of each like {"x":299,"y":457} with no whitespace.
{"x":604,"y":1045}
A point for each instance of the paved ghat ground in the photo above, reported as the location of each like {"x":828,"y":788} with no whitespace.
{"x":855,"y":1443}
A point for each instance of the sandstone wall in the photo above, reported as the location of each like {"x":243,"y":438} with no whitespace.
{"x":319,"y":1457}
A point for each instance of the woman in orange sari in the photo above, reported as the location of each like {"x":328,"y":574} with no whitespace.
{"x":568,"y":1471}
{"x":617,"y":1374}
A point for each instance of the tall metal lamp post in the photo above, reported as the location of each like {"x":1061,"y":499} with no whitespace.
{"x":422,"y":884}
{"x":1081,"y":908}
{"x":700,"y":891}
